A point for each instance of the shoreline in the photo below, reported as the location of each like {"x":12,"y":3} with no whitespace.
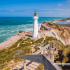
{"x":21,"y":34}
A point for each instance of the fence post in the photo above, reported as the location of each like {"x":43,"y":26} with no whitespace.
{"x":24,"y":63}
{"x":50,"y":50}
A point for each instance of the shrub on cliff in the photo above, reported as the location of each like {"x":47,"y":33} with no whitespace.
{"x":39,"y":40}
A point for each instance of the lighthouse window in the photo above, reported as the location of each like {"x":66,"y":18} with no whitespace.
{"x":35,"y":14}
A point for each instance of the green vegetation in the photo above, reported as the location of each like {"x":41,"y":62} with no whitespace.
{"x":6,"y":55}
{"x":37,"y":43}
{"x":39,"y":40}
{"x":64,"y":52}
{"x":55,"y":26}
{"x":36,"y":49}
{"x":40,"y":67}
{"x":7,"y":69}
{"x":49,"y":39}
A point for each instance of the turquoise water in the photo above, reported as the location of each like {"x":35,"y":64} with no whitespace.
{"x":9,"y":26}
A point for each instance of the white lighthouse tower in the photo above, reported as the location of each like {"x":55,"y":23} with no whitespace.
{"x":35,"y":26}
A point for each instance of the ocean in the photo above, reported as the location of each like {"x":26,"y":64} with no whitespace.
{"x":9,"y":26}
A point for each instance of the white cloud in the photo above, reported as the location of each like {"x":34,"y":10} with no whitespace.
{"x":60,"y":4}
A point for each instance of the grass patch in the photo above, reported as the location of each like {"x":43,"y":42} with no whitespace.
{"x":39,"y":40}
{"x":40,"y":67}
{"x":7,"y":69}
{"x":6,"y":55}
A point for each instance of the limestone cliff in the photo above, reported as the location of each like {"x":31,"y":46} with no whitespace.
{"x":62,"y":32}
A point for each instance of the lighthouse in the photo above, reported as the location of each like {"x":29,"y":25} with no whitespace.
{"x":35,"y":25}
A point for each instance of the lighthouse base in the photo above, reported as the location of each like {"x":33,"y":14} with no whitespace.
{"x":34,"y":37}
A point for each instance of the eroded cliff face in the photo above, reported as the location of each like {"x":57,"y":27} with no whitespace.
{"x":62,"y":32}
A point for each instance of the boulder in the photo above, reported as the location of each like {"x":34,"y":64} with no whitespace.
{"x":68,"y":18}
{"x":20,"y":31}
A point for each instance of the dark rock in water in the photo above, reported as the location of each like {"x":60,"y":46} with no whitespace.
{"x":20,"y":31}
{"x":68,"y":18}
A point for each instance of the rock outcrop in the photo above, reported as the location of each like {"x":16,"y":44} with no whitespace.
{"x":48,"y":25}
{"x":23,"y":33}
{"x":63,"y":33}
{"x":59,"y":20}
{"x":62,"y":19}
{"x":68,"y":18}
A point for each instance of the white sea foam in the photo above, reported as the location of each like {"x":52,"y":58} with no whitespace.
{"x":30,"y":29}
{"x":2,"y":31}
{"x":8,"y":38}
{"x":7,"y":30}
{"x":55,"y":21}
{"x":0,"y":35}
{"x":68,"y":20}
{"x":11,"y":31}
{"x":39,"y":26}
{"x":61,"y":22}
{"x":4,"y":34}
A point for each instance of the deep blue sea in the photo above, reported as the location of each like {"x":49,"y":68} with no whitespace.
{"x":9,"y":26}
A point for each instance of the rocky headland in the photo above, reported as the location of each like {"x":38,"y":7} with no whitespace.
{"x":48,"y":28}
{"x":24,"y":42}
{"x":61,"y":19}
{"x":60,"y":32}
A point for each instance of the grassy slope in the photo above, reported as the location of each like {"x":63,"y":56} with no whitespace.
{"x":64,"y":52}
{"x":7,"y":54}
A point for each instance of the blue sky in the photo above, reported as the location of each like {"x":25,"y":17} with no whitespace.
{"x":45,"y":8}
